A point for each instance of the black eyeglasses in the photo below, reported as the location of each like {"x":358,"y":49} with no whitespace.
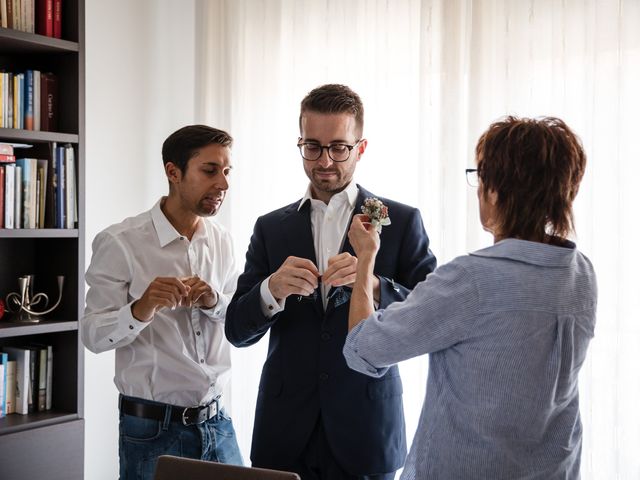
{"x":472,"y":177}
{"x":338,"y":152}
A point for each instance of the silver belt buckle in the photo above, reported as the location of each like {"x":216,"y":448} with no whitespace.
{"x":211,"y":411}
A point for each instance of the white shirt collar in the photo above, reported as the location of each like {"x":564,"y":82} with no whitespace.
{"x":350,"y":194}
{"x":166,"y":231}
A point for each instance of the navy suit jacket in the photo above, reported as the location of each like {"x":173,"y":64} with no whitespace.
{"x":305,"y":374}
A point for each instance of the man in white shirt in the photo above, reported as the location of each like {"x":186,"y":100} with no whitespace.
{"x":159,"y":286}
{"x":314,"y":415}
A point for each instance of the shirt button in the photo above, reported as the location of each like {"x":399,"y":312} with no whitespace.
{"x":202,"y":360}
{"x":111,"y":340}
{"x":130,"y":327}
{"x":325,"y":336}
{"x":270,"y":307}
{"x":181,"y":238}
{"x":324,"y":376}
{"x":198,"y":333}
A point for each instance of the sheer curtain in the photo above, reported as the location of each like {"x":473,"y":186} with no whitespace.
{"x":433,"y":75}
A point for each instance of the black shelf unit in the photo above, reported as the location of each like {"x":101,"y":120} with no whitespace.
{"x":49,"y":444}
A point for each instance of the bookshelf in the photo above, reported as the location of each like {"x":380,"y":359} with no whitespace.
{"x":49,"y":444}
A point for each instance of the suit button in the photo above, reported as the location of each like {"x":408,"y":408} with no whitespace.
{"x":325,"y":336}
{"x":324,"y":376}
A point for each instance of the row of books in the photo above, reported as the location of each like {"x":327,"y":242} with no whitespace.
{"x":38,"y":192}
{"x":26,"y":375}
{"x":43,"y":17}
{"x":28,"y":100}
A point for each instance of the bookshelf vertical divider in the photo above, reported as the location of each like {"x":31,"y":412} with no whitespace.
{"x":50,"y":443}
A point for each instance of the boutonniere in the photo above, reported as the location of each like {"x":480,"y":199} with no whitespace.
{"x":377,"y":212}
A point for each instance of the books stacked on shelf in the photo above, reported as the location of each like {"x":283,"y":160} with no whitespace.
{"x":38,"y":192}
{"x":26,"y":379}
{"x":33,"y":16}
{"x":28,"y":100}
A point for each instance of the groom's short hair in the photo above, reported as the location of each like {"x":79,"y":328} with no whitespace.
{"x":334,"y":98}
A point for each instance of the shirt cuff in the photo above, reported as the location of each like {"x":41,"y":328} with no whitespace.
{"x":269,"y":305}
{"x":353,"y":357}
{"x":219,"y":310}
{"x":128,"y":324}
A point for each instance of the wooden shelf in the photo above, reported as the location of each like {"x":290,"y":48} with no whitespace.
{"x":15,"y":41}
{"x":17,"y":329}
{"x":39,"y":233}
{"x":16,"y":422}
{"x":35,"y":136}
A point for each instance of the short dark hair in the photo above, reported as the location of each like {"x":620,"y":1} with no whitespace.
{"x":334,"y":98}
{"x":181,"y":145}
{"x":535,"y":166}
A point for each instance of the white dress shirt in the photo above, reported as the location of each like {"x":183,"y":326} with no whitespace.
{"x":329,"y":225}
{"x":181,"y":357}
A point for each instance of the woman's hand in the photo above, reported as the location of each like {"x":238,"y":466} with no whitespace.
{"x":363,"y":237}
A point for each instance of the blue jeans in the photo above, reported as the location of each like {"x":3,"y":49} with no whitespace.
{"x":143,"y":440}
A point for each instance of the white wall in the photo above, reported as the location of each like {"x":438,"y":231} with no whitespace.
{"x":140,"y":80}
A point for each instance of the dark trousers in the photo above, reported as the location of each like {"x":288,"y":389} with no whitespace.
{"x":318,"y":463}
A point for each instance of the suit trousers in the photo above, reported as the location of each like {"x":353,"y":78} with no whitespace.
{"x":317,"y":461}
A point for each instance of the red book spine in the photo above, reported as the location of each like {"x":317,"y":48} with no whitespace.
{"x":4,"y":158}
{"x":44,"y":17}
{"x":57,"y":18}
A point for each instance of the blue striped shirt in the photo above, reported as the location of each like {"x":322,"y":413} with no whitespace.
{"x":507,"y":329}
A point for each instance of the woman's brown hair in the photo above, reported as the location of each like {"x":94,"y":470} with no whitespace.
{"x":535,"y":166}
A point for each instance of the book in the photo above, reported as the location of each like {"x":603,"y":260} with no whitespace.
{"x":17,"y":204}
{"x":70,"y":186}
{"x":43,"y":168}
{"x":42,"y":378}
{"x":49,"y":395}
{"x":44,"y":17}
{"x":22,"y":359}
{"x":9,"y":194}
{"x":48,"y":102}
{"x":3,"y":14}
{"x":2,"y":181}
{"x":28,"y":100}
{"x":57,"y":18}
{"x":37,"y":111}
{"x":4,"y":359}
{"x":7,"y":158}
{"x":34,"y":378}
{"x":60,"y":188}
{"x":29,"y":168}
{"x":11,"y":386}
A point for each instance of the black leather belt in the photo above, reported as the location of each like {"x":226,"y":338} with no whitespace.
{"x":157,"y":411}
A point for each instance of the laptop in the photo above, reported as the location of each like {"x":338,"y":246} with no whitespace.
{"x":177,"y":468}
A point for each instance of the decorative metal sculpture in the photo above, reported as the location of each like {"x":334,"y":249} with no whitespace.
{"x":23,"y":302}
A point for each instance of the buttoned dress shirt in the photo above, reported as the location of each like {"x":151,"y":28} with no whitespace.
{"x":329,"y":225}
{"x":181,"y":357}
{"x":507,"y":329}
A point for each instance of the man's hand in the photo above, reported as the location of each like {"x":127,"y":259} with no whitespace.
{"x":201,"y":294}
{"x":296,"y":276}
{"x":341,"y":270}
{"x":163,"y":292}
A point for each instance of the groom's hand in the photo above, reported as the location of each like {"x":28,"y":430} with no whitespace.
{"x":296,"y":276}
{"x":341,"y":270}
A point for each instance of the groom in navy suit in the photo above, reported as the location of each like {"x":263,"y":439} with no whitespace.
{"x":314,"y":415}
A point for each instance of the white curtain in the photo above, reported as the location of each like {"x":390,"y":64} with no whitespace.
{"x":433,"y":75}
